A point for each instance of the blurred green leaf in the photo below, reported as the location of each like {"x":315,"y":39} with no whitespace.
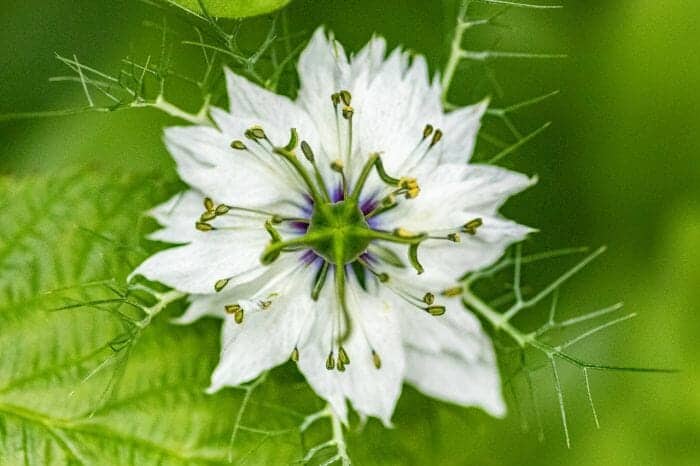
{"x":233,"y":8}
{"x":80,"y":385}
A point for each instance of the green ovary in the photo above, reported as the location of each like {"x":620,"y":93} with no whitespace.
{"x":338,"y":232}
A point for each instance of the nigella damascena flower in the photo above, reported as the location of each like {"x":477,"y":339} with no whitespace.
{"x":333,"y":230}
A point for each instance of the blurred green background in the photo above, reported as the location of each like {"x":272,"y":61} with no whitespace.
{"x":619,"y":166}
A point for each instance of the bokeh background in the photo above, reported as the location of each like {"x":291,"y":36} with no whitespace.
{"x":619,"y":166}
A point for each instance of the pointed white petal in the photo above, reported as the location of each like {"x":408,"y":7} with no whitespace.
{"x":252,"y":104}
{"x":206,"y":162}
{"x":460,"y":128}
{"x":196,"y":267}
{"x":212,"y":304}
{"x":445,"y":262}
{"x":266,"y":337}
{"x":371,"y":391}
{"x":177,"y":216}
{"x":450,"y":358}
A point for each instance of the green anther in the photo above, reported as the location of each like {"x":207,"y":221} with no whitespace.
{"x":276,"y":219}
{"x":454,"y":237}
{"x":471,"y":226}
{"x":429,"y":298}
{"x":348,"y":112}
{"x":335,"y":98}
{"x":203,"y":226}
{"x":238,"y":316}
{"x":306,"y":150}
{"x":340,"y":366}
{"x":346,"y":97}
{"x":232,"y":308}
{"x":330,"y":362}
{"x":208,"y":203}
{"x":383,"y":277}
{"x":427,"y":131}
{"x":452,"y":292}
{"x":238,"y":145}
{"x":293,"y":140}
{"x":208,"y":215}
{"x":343,"y":356}
{"x":337,"y":166}
{"x":255,"y":132}
{"x":435,"y":310}
{"x":221,"y":209}
{"x":295,"y":354}
{"x":436,"y":137}
{"x":220,"y":284}
{"x":376,"y":360}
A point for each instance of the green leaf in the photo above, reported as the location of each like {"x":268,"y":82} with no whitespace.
{"x":233,"y":8}
{"x":83,"y":385}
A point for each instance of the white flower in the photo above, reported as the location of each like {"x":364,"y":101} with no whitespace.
{"x":339,"y":243}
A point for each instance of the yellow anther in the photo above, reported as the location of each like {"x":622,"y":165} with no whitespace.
{"x":337,"y":166}
{"x":330,"y":361}
{"x":238,"y":145}
{"x":412,"y":193}
{"x":452,"y":292}
{"x":376,"y":360}
{"x":348,"y":112}
{"x":436,"y":310}
{"x":390,"y":200}
{"x":295,"y":354}
{"x":427,"y":131}
{"x":471,"y":226}
{"x":429,"y":298}
{"x":203,"y":226}
{"x":232,"y":308}
{"x":238,"y":316}
{"x":403,"y":233}
{"x":220,"y":284}
{"x":454,"y":237}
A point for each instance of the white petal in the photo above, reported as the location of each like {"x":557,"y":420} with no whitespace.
{"x":196,"y":267}
{"x":266,"y":337}
{"x":445,"y":262}
{"x":177,"y":216}
{"x":251,"y":104}
{"x":460,"y":128}
{"x":212,"y":304}
{"x":206,"y":162}
{"x":371,"y":391}
{"x":450,"y":358}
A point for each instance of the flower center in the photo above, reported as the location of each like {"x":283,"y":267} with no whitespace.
{"x":338,"y":231}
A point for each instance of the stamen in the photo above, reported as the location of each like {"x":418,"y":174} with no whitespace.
{"x":436,"y":137}
{"x":236,"y":310}
{"x":454,"y":237}
{"x":221,"y":209}
{"x":346,"y":97}
{"x":427,"y":131}
{"x":376,"y":360}
{"x":343,"y":356}
{"x":340,"y":366}
{"x":429,"y":298}
{"x":221,"y":284}
{"x":337,"y":166}
{"x":309,"y":154}
{"x":238,"y":145}
{"x":330,"y":361}
{"x":295,"y":354}
{"x":208,"y":215}
{"x":208,"y":204}
{"x":255,"y":133}
{"x":452,"y":292}
{"x":435,"y":310}
{"x":348,"y":112}
{"x":203,"y":226}
{"x":471,"y":226}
